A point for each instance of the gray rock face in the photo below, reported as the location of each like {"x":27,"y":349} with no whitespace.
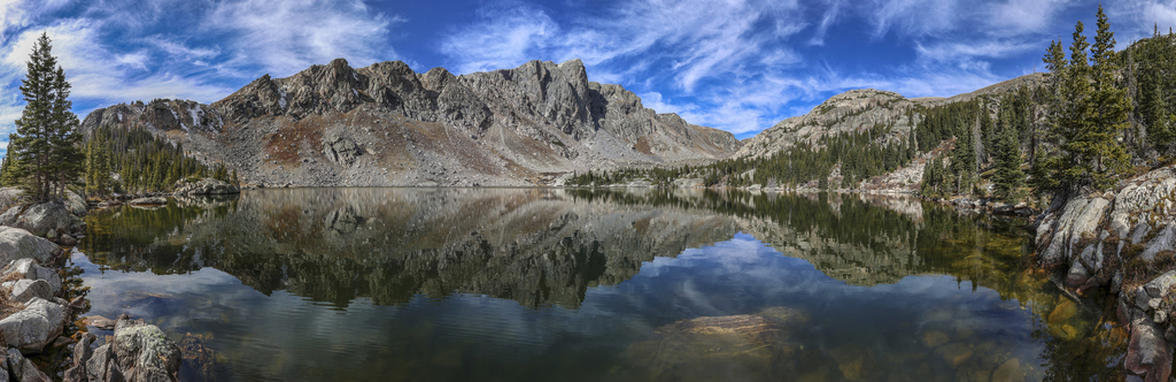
{"x":334,"y":125}
{"x":852,"y":111}
{"x":1137,"y":224}
{"x":204,"y":187}
{"x":82,"y":352}
{"x":137,"y":352}
{"x":34,"y":327}
{"x":101,"y":366}
{"x":43,"y":219}
{"x":28,"y":269}
{"x":16,"y":244}
{"x":144,"y":353}
{"x":1078,"y":220}
{"x":22,"y":369}
{"x":1165,"y":240}
{"x":25,"y":290}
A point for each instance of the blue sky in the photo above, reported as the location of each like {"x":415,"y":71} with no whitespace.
{"x":736,"y":65}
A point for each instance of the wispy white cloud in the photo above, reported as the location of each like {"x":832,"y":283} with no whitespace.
{"x":87,"y":62}
{"x":284,"y":37}
{"x":698,"y":39}
{"x":832,"y":11}
{"x":509,"y":35}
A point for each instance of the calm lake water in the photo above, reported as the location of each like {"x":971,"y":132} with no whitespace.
{"x":489,"y":285}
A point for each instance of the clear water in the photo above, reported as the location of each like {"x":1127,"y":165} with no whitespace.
{"x":488,"y":285}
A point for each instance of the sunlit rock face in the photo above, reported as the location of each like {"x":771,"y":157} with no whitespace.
{"x":334,"y":125}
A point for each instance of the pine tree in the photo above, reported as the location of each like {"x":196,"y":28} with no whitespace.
{"x":1098,"y":154}
{"x":1008,"y":177}
{"x":65,"y":156}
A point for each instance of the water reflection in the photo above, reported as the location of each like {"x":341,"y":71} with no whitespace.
{"x":531,"y":284}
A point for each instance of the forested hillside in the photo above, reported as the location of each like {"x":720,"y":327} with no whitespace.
{"x":1097,"y":116}
{"x":133,"y":161}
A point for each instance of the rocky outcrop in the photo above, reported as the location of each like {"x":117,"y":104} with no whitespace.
{"x":852,"y":111}
{"x":1114,"y":240}
{"x":52,"y":220}
{"x":204,"y":187}
{"x":1149,"y":352}
{"x":334,"y":125}
{"x":137,"y":352}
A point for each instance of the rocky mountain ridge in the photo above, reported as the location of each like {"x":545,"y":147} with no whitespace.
{"x":386,"y":125}
{"x":859,"y":110}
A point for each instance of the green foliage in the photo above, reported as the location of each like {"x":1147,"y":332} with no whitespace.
{"x":44,"y":152}
{"x":858,"y":156}
{"x":141,"y":162}
{"x":1008,"y":178}
{"x":1091,"y":114}
{"x":98,"y":167}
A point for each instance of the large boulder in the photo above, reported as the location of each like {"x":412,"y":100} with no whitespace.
{"x":27,"y":269}
{"x":1079,"y":220}
{"x":144,"y":353}
{"x":16,"y":244}
{"x":137,"y":352}
{"x":25,"y":290}
{"x":206,"y":186}
{"x":37,"y":325}
{"x":44,"y":219}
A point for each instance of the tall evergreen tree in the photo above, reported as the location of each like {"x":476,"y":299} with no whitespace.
{"x":1096,"y":147}
{"x":46,"y":158}
{"x":1009,"y":177}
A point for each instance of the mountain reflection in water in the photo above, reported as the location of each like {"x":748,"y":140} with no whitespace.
{"x":501,"y":284}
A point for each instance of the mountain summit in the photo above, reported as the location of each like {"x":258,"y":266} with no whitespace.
{"x":386,"y":125}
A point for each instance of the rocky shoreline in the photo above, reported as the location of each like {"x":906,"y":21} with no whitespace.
{"x":1122,"y":242}
{"x":40,"y":309}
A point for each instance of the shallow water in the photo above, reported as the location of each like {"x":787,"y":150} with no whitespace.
{"x":459,"y":284}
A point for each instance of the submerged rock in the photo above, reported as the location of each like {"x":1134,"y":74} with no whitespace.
{"x":716,"y":345}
